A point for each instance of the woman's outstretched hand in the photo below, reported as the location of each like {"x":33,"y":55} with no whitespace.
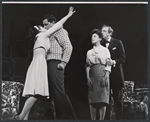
{"x":71,"y":11}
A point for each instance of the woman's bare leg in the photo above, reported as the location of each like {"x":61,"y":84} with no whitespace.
{"x":102,"y":112}
{"x":93,"y":112}
{"x":27,"y":107}
{"x":27,"y":115}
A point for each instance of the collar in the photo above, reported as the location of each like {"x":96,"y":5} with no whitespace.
{"x":96,"y":47}
{"x":109,"y":39}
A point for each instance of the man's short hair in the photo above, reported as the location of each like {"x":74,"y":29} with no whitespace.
{"x":110,"y":30}
{"x":50,"y":18}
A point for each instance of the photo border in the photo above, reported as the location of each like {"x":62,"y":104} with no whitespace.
{"x":87,"y":2}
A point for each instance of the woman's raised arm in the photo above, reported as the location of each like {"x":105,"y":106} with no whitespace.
{"x":70,"y":13}
{"x":60,"y":23}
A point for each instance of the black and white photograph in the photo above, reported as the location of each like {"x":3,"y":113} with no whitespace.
{"x":74,"y":61}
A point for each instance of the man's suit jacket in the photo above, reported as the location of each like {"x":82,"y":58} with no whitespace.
{"x":118,"y":54}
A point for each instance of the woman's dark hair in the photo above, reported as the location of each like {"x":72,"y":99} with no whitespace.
{"x":33,"y":32}
{"x":96,"y":31}
{"x":50,"y":18}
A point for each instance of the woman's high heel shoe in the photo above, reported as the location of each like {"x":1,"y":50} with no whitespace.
{"x":16,"y":117}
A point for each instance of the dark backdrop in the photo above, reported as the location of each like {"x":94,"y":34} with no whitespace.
{"x":129,"y":22}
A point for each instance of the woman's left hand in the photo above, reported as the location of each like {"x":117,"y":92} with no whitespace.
{"x":107,"y":73}
{"x":71,"y":11}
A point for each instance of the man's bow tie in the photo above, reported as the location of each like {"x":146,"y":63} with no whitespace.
{"x":107,"y":41}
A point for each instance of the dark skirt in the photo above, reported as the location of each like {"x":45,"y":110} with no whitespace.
{"x":99,"y":92}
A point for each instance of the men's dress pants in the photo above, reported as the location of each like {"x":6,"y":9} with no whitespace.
{"x":57,"y":90}
{"x":117,"y":97}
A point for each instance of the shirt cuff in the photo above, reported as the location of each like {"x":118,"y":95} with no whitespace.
{"x":108,"y":68}
{"x":65,"y":61}
{"x":114,"y":63}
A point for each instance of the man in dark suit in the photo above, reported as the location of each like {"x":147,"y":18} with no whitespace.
{"x":117,"y":52}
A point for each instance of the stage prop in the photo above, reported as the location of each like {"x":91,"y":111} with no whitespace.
{"x":135,"y":103}
{"x":10,"y":94}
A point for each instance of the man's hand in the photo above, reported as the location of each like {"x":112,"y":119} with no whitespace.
{"x":110,"y":62}
{"x":61,"y":66}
